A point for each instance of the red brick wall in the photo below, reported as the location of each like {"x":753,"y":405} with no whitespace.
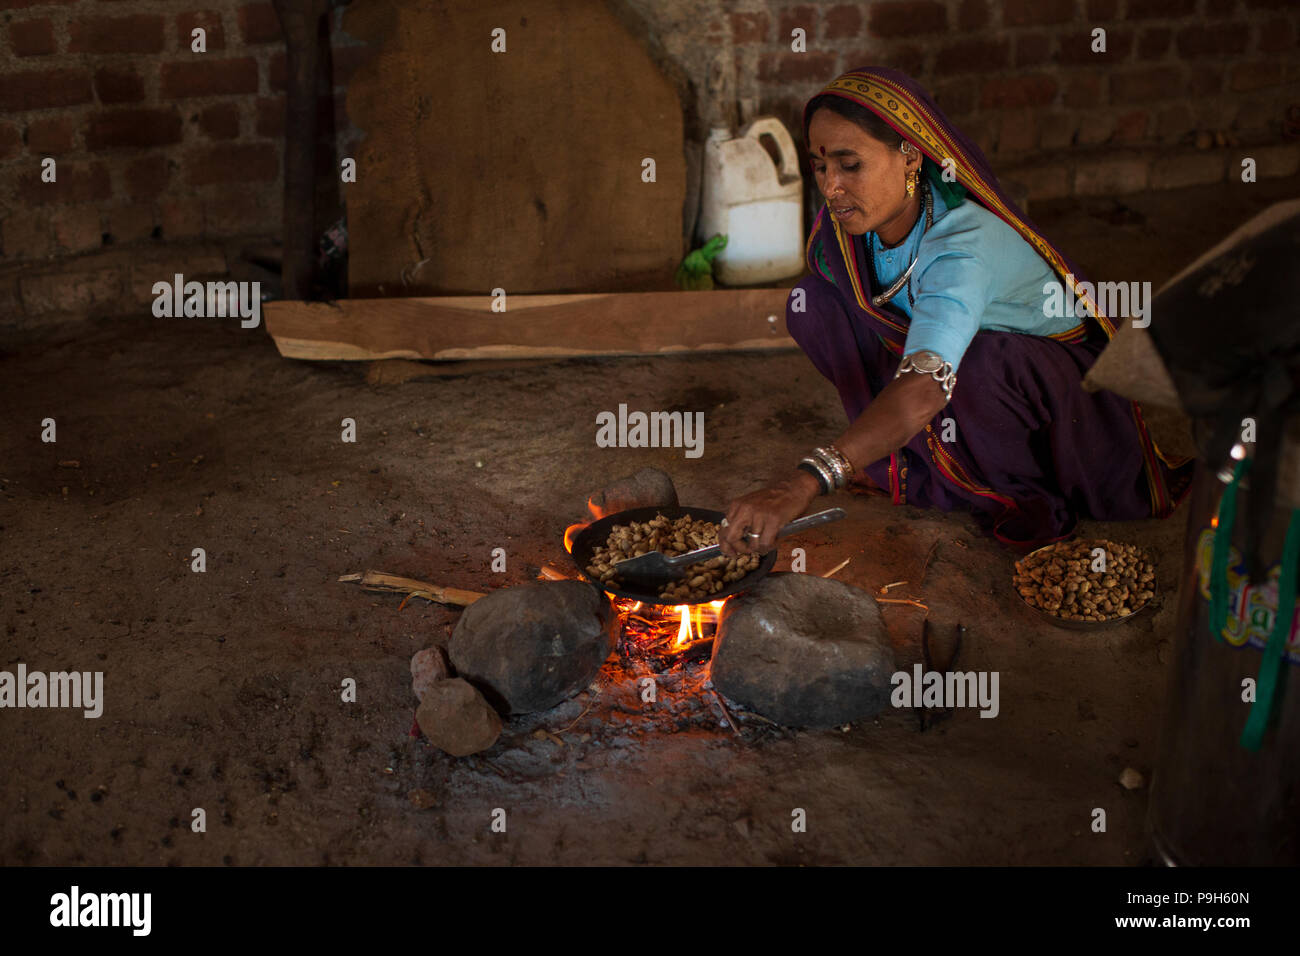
{"x":153,"y":142}
{"x":158,"y":145}
{"x":1019,"y":77}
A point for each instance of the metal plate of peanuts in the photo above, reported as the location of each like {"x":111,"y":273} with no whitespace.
{"x":1087,"y":584}
{"x":627,"y":533}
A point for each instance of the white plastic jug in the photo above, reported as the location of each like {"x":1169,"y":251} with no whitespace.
{"x":755,"y":202}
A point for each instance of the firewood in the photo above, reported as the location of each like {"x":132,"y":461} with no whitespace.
{"x":381,"y":581}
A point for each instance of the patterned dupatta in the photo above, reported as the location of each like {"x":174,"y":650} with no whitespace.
{"x":830,"y":252}
{"x":904,"y":105}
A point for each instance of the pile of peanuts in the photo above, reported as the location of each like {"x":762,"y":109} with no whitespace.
{"x":662,"y":533}
{"x":1061,"y":581}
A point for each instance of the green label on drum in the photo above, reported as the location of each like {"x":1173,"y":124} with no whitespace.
{"x":1252,"y":608}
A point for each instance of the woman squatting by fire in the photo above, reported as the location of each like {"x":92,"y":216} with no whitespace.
{"x":921,"y":267}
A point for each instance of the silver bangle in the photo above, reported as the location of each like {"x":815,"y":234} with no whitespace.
{"x":844,"y":462}
{"x":836,"y":464}
{"x":827,"y":478}
{"x":942,"y":372}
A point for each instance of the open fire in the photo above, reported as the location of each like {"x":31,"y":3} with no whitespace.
{"x":666,"y":631}
{"x":663,"y":632}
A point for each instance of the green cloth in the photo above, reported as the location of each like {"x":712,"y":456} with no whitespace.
{"x":696,"y":271}
{"x":951,"y":193}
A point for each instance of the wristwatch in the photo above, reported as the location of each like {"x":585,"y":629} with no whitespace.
{"x":933,"y":365}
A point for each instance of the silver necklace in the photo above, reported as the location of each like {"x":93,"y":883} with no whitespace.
{"x":897,"y":286}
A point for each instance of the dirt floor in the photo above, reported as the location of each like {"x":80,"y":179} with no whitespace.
{"x":223,"y":689}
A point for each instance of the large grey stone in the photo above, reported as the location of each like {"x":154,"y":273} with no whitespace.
{"x":529,"y":648}
{"x":804,"y":651}
{"x":647,"y":488}
{"x":456,"y":718}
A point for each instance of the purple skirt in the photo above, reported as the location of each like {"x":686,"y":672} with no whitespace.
{"x":1021,"y":444}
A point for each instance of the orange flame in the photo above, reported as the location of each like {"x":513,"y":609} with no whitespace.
{"x":571,"y":532}
{"x":685,"y":635}
{"x":596,"y":511}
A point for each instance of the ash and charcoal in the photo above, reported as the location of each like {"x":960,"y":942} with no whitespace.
{"x":796,"y":651}
{"x":793,"y":651}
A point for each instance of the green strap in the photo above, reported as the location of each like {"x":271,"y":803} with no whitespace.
{"x":1271,"y":665}
{"x":1227,"y":517}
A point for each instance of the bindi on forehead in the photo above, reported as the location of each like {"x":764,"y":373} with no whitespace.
{"x":823,"y":150}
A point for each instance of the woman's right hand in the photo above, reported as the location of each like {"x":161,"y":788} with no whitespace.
{"x":766,"y":512}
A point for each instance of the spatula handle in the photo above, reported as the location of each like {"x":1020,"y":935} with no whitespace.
{"x":812,"y":521}
{"x":831,"y":514}
{"x":794,"y":527}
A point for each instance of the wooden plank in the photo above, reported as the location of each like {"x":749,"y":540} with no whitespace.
{"x":553,"y":326}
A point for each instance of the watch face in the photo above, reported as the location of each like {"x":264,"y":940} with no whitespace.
{"x":926,"y":361}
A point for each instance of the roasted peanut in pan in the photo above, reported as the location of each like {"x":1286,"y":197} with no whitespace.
{"x":672,"y":537}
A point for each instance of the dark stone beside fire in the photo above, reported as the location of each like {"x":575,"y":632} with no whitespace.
{"x":804,"y":651}
{"x":647,"y":488}
{"x":529,"y":648}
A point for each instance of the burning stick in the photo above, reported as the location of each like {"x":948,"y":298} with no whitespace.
{"x":379,"y":581}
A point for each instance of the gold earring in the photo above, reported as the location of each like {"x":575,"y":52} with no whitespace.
{"x":911,"y":184}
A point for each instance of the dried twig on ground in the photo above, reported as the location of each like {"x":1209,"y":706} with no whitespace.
{"x":580,"y":716}
{"x":924,"y":607}
{"x":926,"y":566}
{"x":380,"y":581}
{"x":839,"y":567}
{"x":725,"y":713}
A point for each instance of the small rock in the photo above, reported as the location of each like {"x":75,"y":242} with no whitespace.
{"x":804,"y":651}
{"x":532,"y":647}
{"x":1130,"y":779}
{"x":742,"y":826}
{"x":457,"y":719}
{"x":422,"y":799}
{"x":647,"y":488}
{"x":427,"y":668}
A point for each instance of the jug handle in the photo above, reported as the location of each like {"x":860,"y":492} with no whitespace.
{"x":771,"y":126}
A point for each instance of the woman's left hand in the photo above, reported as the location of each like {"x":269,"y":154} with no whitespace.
{"x":766,"y":512}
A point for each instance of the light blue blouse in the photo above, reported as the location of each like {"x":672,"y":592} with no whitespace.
{"x":973,"y":272}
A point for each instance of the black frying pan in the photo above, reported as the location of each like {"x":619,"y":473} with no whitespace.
{"x":597,"y":533}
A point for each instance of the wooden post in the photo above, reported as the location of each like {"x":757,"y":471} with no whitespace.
{"x":300,"y":20}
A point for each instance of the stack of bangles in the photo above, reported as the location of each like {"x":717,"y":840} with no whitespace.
{"x":829,"y":466}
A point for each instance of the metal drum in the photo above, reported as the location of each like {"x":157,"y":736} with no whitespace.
{"x":1213,"y":802}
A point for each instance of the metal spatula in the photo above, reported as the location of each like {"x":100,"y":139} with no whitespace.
{"x":655,"y":568}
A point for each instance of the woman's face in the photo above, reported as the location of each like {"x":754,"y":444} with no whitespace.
{"x":864,"y":181}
